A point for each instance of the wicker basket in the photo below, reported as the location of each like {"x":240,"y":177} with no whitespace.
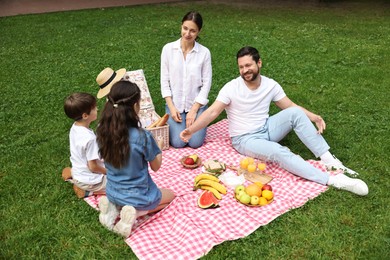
{"x":147,"y":113}
{"x":161,"y":132}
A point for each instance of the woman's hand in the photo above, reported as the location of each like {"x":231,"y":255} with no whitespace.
{"x":175,"y":114}
{"x":190,"y":118}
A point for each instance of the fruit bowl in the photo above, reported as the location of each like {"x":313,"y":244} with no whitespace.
{"x":254,"y":195}
{"x":191,"y":166}
{"x":250,"y":205}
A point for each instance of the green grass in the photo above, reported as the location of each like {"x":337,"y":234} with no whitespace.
{"x":332,"y":60}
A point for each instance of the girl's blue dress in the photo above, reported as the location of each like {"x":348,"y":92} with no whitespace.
{"x":132,"y":184}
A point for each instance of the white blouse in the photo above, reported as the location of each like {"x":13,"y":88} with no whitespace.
{"x":188,"y":80}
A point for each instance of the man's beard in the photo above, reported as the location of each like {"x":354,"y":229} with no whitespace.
{"x":254,"y":75}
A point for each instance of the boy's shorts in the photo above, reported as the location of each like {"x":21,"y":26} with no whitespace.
{"x":92,"y":187}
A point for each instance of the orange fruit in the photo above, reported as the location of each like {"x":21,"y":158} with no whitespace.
{"x":261,"y":166}
{"x":259,"y":184}
{"x":253,"y":190}
{"x":263,"y":201}
{"x":269,"y":195}
{"x":244,"y":163}
{"x":252,"y":167}
{"x":251,"y":160}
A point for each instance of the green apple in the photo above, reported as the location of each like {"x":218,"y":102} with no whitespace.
{"x":239,"y":194}
{"x":255,"y":200}
{"x":245,"y":198}
{"x":239,"y":188}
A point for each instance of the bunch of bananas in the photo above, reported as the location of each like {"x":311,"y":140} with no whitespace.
{"x":209,"y":182}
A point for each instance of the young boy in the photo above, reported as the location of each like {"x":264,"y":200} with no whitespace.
{"x":88,"y":171}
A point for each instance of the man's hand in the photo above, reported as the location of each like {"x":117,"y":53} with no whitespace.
{"x":185,"y":135}
{"x":320,"y":123}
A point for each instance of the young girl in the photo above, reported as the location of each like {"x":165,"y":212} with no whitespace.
{"x":186,"y":81}
{"x":127,"y":149}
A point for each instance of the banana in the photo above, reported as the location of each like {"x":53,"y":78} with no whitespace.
{"x":219,"y":187}
{"x":206,"y":176}
{"x":194,"y":157}
{"x":214,"y":191}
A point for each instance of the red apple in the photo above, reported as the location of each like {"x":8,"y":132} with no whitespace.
{"x":267,"y":187}
{"x":189,"y":161}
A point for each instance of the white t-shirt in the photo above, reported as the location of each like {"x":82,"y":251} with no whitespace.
{"x":185,"y":80}
{"x":83,"y":148}
{"x":247,"y":110}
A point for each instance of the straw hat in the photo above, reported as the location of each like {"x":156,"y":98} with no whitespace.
{"x":107,"y":78}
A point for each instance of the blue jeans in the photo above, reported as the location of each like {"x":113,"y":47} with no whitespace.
{"x":175,"y":129}
{"x":264,"y":145}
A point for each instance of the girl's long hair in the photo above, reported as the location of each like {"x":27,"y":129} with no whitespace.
{"x":117,"y":117}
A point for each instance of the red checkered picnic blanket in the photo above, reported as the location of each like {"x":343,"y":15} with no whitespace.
{"x":183,"y":230}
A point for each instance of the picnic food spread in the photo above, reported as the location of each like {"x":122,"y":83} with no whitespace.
{"x":207,"y":200}
{"x":256,"y":194}
{"x":214,"y":167}
{"x":191,"y":161}
{"x":159,"y":122}
{"x":253,"y":171}
{"x":211,"y":183}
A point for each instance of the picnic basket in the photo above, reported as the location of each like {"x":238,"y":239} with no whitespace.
{"x":147,"y":112}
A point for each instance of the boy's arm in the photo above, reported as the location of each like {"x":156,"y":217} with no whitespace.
{"x":96,"y":166}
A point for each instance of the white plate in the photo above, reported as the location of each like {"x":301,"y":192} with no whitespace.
{"x":231,"y":179}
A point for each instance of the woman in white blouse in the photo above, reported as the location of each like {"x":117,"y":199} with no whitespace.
{"x":186,"y":80}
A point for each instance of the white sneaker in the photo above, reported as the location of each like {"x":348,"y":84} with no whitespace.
{"x":344,"y":182}
{"x":108,"y":213}
{"x":336,"y":164}
{"x":125,"y":224}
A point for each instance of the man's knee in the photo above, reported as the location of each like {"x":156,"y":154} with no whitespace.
{"x":295,"y":111}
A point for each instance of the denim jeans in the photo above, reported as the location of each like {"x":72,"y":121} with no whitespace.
{"x":264,"y":145}
{"x":175,"y":129}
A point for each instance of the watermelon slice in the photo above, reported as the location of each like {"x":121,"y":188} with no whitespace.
{"x":207,"y":200}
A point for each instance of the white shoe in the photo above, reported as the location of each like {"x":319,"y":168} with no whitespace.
{"x":344,"y":182}
{"x":108,"y":213}
{"x":336,"y":164}
{"x":125,"y":224}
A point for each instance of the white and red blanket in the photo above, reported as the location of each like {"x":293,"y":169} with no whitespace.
{"x":183,"y":230}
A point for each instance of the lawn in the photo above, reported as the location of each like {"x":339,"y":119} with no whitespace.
{"x":333,"y":59}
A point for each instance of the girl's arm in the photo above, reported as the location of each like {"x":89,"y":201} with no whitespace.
{"x":156,"y":163}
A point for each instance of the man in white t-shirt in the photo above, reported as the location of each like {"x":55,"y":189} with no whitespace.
{"x":255,"y":133}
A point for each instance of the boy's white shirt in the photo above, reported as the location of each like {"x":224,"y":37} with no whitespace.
{"x":83,"y":148}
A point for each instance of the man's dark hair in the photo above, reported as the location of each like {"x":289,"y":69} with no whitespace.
{"x":248,"y":50}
